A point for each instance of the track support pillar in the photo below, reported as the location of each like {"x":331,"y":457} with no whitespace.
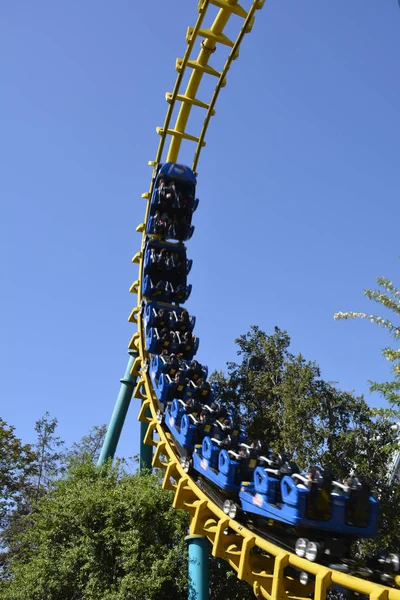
{"x":198,"y":584}
{"x":111,"y":440}
{"x":146,"y":451}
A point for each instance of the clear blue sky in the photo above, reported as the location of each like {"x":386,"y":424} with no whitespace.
{"x":298,"y":188}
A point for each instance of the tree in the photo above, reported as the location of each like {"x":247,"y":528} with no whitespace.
{"x":48,"y":452}
{"x":100,"y":534}
{"x":282,"y":399}
{"x":89,"y":448}
{"x":388,"y":296}
{"x":17,"y":467}
{"x":30,"y":469}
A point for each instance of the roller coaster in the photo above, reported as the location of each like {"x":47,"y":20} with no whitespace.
{"x":222,"y":479}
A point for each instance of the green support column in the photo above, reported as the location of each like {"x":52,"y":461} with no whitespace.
{"x":199,"y":578}
{"x":146,"y":452}
{"x":128,"y":383}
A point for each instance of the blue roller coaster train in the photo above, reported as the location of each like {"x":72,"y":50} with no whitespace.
{"x":310,"y":513}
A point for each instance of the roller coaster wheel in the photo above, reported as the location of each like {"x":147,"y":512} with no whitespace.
{"x":187,"y":465}
{"x":394,"y":561}
{"x":231,"y":509}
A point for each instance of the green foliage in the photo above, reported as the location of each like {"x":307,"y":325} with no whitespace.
{"x":104,"y":534}
{"x":48,"y":450}
{"x":88,"y":449}
{"x":17,"y":467}
{"x":388,"y":296}
{"x":385,"y":444}
{"x":101,"y":535}
{"x":225,"y":584}
{"x":27,"y":473}
{"x":282,"y":399}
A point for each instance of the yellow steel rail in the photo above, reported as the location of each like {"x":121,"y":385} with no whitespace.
{"x":255,"y":560}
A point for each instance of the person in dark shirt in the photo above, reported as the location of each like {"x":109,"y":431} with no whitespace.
{"x":160,"y":320}
{"x":162,"y":259}
{"x":195,"y":371}
{"x":203,"y":391}
{"x":159,"y":288}
{"x":162,"y":223}
{"x":178,"y":385}
{"x":184,"y":318}
{"x":173,"y":364}
{"x":165,"y":338}
{"x":180,"y":293}
{"x":188,"y":340}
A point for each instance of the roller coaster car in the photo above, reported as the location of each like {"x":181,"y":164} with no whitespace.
{"x":170,"y":228}
{"x":292,"y":500}
{"x":171,"y":342}
{"x":163,"y":260}
{"x":221,"y":465}
{"x":161,"y":315}
{"x":189,"y":346}
{"x":170,"y":365}
{"x":183,"y":425}
{"x":159,"y":341}
{"x":196,"y":371}
{"x":168,"y":389}
{"x":164,"y":291}
{"x":180,"y":320}
{"x":238,"y":437}
{"x":175,"y":186}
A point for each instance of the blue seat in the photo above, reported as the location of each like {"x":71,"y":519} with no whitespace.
{"x":182,"y":426}
{"x":150,"y":315}
{"x":156,"y":344}
{"x":167,"y":390}
{"x":217,"y":464}
{"x":197,"y":372}
{"x":171,"y":231}
{"x":153,"y":341}
{"x":189,"y":429}
{"x":163,"y":364}
{"x":266,"y":484}
{"x":151,"y":291}
{"x":167,"y":293}
{"x":177,"y":410}
{"x":228,"y":467}
{"x":238,"y":435}
{"x":176,"y":324}
{"x":188,"y":351}
{"x":189,"y":392}
{"x":170,"y":319}
{"x":205,"y":396}
{"x":156,"y":202}
{"x":210,"y":451}
{"x":175,"y":264}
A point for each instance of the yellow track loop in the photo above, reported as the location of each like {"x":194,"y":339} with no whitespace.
{"x":255,"y":560}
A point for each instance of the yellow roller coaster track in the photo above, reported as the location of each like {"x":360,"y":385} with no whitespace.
{"x":263,"y":569}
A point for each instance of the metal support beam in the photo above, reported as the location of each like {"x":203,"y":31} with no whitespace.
{"x":128,"y":383}
{"x":146,"y":451}
{"x":198,"y":588}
